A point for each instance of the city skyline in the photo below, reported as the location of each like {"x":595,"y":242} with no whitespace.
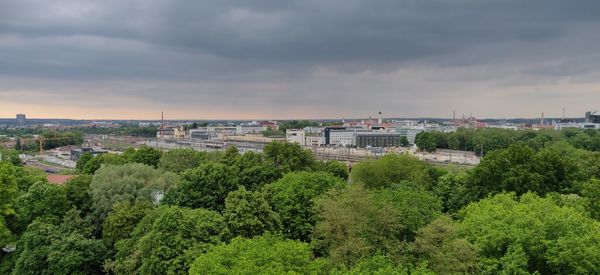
{"x":298,"y":59}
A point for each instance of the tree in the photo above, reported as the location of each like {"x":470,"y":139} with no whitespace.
{"x":145,"y":155}
{"x":289,"y":157}
{"x":520,"y":169}
{"x":204,"y":187}
{"x":292,"y":198}
{"x":92,"y":165}
{"x":531,"y":234}
{"x":130,"y":182}
{"x":451,"y":189}
{"x":335,"y":168}
{"x":18,"y":145}
{"x":383,"y":265}
{"x":177,"y":237}
{"x":45,"y":201}
{"x":355,"y":223}
{"x":231,"y":155}
{"x":268,"y":254}
{"x":179,"y":160}
{"x":590,"y":190}
{"x":78,"y":195}
{"x":8,"y":195}
{"x":249,"y":214}
{"x":391,"y":170}
{"x":65,"y":249}
{"x":345,"y":225}
{"x":426,"y":141}
{"x":122,"y":220}
{"x":404,"y":141}
{"x":83,"y":161}
{"x":255,"y":171}
{"x":440,"y":245}
{"x":509,"y":169}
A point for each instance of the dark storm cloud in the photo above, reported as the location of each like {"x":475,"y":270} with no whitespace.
{"x":224,"y":49}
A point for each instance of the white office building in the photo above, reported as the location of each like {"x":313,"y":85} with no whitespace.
{"x":295,"y":136}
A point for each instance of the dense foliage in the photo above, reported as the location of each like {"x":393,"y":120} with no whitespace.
{"x":528,"y":207}
{"x":484,"y":140}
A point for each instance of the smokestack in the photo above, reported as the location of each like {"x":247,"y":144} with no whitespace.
{"x":542,"y":118}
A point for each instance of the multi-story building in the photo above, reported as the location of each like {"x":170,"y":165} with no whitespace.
{"x":378,"y":139}
{"x":243,"y":129}
{"x":202,"y":134}
{"x":295,"y":136}
{"x":21,"y":119}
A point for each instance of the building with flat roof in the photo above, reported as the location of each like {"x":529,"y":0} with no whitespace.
{"x":77,"y":153}
{"x":21,"y":119}
{"x":295,"y":136}
{"x":378,"y":139}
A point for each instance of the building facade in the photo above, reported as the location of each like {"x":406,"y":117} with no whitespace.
{"x":21,"y":119}
{"x":377,"y":139}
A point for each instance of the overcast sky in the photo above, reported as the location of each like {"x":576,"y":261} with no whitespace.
{"x":132,"y":59}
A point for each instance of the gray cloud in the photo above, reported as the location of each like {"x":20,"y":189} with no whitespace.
{"x":336,"y":55}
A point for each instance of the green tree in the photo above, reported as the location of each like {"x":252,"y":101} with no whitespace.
{"x":231,"y":155}
{"x":204,"y":187}
{"x":78,"y":195}
{"x":335,"y":168}
{"x":145,"y":155}
{"x":531,"y":234}
{"x":179,"y":160}
{"x":289,"y":157}
{"x":8,"y":195}
{"x":590,"y":190}
{"x":440,"y":245}
{"x":292,"y":197}
{"x":511,"y":169}
{"x":43,"y":200}
{"x":83,"y":161}
{"x":355,"y":223}
{"x":65,"y":249}
{"x":383,"y":265}
{"x":255,"y":171}
{"x":391,"y":170}
{"x":92,"y":165}
{"x":266,"y":254}
{"x":404,"y":141}
{"x":249,"y":214}
{"x":177,"y":237}
{"x":130,"y":182}
{"x":122,"y":220}
{"x":426,"y":141}
{"x":451,"y":189}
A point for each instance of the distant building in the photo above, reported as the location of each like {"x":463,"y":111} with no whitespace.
{"x":592,"y":117}
{"x":248,"y":129}
{"x":202,"y":134}
{"x":378,"y":139}
{"x":295,"y":136}
{"x":21,"y":119}
{"x":77,"y":153}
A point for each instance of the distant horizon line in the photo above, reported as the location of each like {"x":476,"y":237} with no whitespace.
{"x":288,"y":119}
